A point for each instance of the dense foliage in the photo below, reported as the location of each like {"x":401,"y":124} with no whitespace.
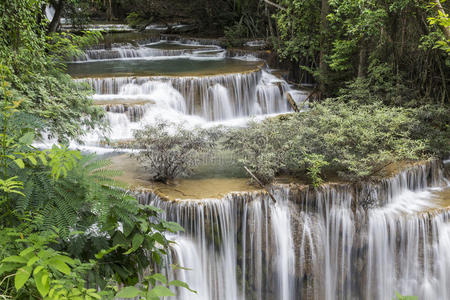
{"x":402,"y":44}
{"x":67,"y":229}
{"x":348,"y":140}
{"x":339,"y":41}
{"x":352,"y":140}
{"x":206,"y":17}
{"x":34,"y":60}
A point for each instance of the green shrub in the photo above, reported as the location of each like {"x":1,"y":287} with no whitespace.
{"x":235,"y":35}
{"x":134,"y":20}
{"x":354,"y":140}
{"x":167,"y":149}
{"x":261,"y":147}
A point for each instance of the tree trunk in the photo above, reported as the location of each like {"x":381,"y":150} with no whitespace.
{"x":53,"y":26}
{"x":362,"y":66}
{"x":438,"y":7}
{"x":273,"y":37}
{"x":323,"y":66}
{"x":109,"y":12}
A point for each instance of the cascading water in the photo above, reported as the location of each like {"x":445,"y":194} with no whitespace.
{"x":242,"y":94}
{"x":284,"y":251}
{"x":129,"y":51}
{"x":316,"y":244}
{"x":196,"y":100}
{"x":231,"y":92}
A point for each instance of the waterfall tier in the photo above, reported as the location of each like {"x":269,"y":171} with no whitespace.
{"x":340,"y":241}
{"x":158,"y":49}
{"x":213,"y":98}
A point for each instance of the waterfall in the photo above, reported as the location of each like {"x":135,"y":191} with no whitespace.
{"x":403,"y":253}
{"x":211,"y":246}
{"x":220,"y":106}
{"x":146,"y":49}
{"x":128,"y":52}
{"x":213,"y":98}
{"x":284,"y":251}
{"x":49,"y":12}
{"x":324,"y":243}
{"x":238,"y":89}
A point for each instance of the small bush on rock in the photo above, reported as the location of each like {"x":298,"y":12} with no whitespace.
{"x":167,"y":149}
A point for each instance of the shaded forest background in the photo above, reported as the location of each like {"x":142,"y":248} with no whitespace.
{"x":395,"y":49}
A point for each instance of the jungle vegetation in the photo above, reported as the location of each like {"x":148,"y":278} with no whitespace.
{"x":381,"y":74}
{"x":68,"y":229}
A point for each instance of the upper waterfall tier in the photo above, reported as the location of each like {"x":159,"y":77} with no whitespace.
{"x":327,"y":243}
{"x":157,"y":49}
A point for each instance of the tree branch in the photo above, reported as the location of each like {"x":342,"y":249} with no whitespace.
{"x":275,"y":5}
{"x":260,"y":183}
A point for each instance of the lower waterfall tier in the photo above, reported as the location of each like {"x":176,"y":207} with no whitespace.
{"x":340,"y":241}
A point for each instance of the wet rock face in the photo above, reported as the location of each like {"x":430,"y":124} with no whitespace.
{"x":341,"y":241}
{"x":134,"y":112}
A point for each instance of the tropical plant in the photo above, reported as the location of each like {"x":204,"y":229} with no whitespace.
{"x":40,"y":271}
{"x":67,"y":228}
{"x":36,"y":70}
{"x":149,"y":289}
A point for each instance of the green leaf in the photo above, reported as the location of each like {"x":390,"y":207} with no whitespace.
{"x":181,"y":284}
{"x":177,"y":267}
{"x":66,"y":259}
{"x":43,"y":159}
{"x":128,"y":292}
{"x":159,"y":277}
{"x":60,"y":265}
{"x":32,"y":160}
{"x":27,"y":138}
{"x":172,"y":226}
{"x":161,"y":291}
{"x":19,"y":163}
{"x":159,"y":238}
{"x":21,"y":277}
{"x":127,"y":229}
{"x":137,"y":240}
{"x":42,"y":282}
{"x":95,"y":295}
{"x":103,"y":252}
{"x":400,"y":297}
{"x":7,"y":268}
{"x":37,"y":269}
{"x":15,"y":259}
{"x":32,"y":260}
{"x":27,"y":251}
